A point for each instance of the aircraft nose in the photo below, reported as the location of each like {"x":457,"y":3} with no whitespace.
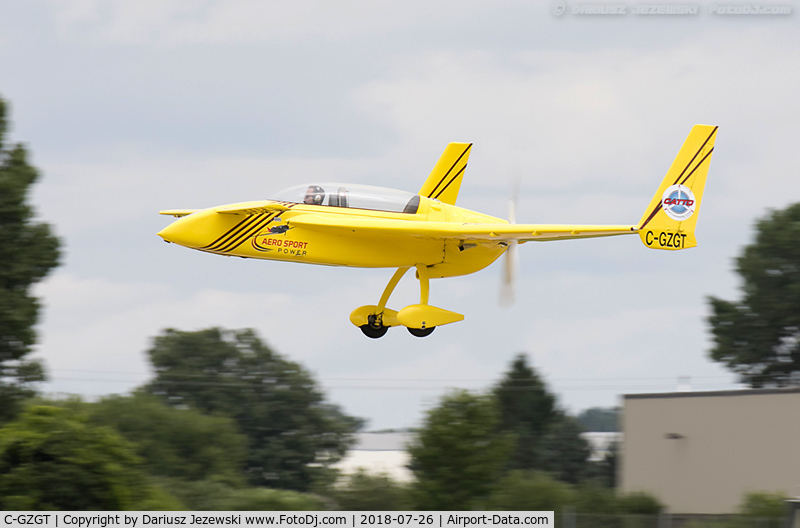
{"x":166,"y":233}
{"x":182,"y":232}
{"x":169,"y":233}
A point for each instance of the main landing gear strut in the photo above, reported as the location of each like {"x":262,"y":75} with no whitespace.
{"x":420,"y":319}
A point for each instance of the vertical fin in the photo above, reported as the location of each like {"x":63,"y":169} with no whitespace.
{"x":670,"y":219}
{"x":444,"y":181}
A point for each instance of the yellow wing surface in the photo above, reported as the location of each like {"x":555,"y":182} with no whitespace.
{"x":451,"y":230}
{"x":250,"y":208}
{"x":243,"y":208}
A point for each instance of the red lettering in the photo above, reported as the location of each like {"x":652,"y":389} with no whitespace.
{"x":294,"y":244}
{"x":679,"y":201}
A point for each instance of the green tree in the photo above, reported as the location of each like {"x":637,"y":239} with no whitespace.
{"x":51,"y":459}
{"x":593,"y":499}
{"x":263,"y":499}
{"x":530,"y":491}
{"x":200,"y":495}
{"x":758,"y":337}
{"x":564,"y":452}
{"x":459,"y":452}
{"x":181,"y":443}
{"x":211,"y":495}
{"x":527,"y":410}
{"x":761,"y":509}
{"x":764,"y":505}
{"x":604,"y":472}
{"x":600,"y":420}
{"x":293,"y":434}
{"x":28,"y":251}
{"x":639,"y":503}
{"x":362,"y":491}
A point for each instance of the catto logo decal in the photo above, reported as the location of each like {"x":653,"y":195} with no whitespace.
{"x":678,"y":202}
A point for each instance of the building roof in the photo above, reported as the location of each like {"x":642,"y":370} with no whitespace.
{"x":695,"y":394}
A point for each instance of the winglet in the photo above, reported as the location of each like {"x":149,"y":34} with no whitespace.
{"x":444,"y":181}
{"x":669,"y":221}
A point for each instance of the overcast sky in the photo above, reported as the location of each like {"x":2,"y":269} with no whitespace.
{"x":130,"y":107}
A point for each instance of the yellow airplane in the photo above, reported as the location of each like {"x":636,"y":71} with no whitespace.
{"x":371,"y":227}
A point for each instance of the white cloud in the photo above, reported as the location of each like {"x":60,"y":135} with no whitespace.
{"x":592,"y":116}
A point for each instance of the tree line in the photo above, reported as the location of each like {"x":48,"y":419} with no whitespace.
{"x":227,"y":423}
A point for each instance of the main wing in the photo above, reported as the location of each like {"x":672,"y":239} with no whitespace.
{"x":459,"y":231}
{"x":243,"y":208}
{"x":257,"y":207}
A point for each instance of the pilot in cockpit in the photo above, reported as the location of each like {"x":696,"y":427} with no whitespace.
{"x":315,"y":195}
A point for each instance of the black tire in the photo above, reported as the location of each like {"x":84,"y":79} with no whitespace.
{"x":421,"y":332}
{"x":374,"y":332}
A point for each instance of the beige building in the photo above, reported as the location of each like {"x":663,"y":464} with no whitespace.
{"x":700,"y":452}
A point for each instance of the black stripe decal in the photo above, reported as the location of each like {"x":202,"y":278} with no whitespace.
{"x":695,"y":156}
{"x":449,"y":171}
{"x":238,"y":228}
{"x":698,"y":165}
{"x":228,"y":232}
{"x":247,"y":234}
{"x":451,"y":181}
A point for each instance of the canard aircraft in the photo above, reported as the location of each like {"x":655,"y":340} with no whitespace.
{"x":371,"y":227}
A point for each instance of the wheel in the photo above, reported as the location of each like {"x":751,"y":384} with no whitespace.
{"x":421,"y":332}
{"x":374,"y":332}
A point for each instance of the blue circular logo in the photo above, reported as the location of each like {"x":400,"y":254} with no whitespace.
{"x":678,"y":202}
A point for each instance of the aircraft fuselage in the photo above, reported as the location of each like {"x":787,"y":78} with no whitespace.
{"x":274,"y":236}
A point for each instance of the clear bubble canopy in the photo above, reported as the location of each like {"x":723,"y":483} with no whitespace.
{"x":350,"y":195}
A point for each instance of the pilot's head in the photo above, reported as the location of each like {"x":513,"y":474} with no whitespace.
{"x":315,"y":195}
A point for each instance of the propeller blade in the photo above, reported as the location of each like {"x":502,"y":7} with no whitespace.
{"x":510,"y":263}
{"x":507,"y":296}
{"x":513,"y":197}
